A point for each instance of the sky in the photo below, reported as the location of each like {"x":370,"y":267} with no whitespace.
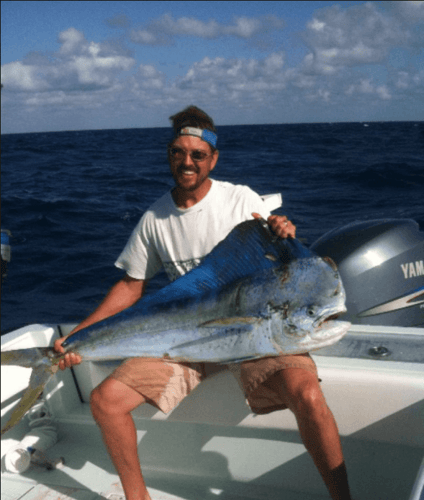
{"x":107,"y":65}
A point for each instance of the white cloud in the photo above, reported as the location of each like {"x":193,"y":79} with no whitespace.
{"x":21,"y":76}
{"x":409,"y":82}
{"x":235,"y":78}
{"x":362,"y":34}
{"x":402,"y":80}
{"x":365,"y":86}
{"x":163,"y":30}
{"x":148,"y":77}
{"x":144,"y":37}
{"x":383,"y":92}
{"x":188,"y":26}
{"x":244,"y":27}
{"x":408,"y":11}
{"x":78,"y":65}
{"x":73,"y":42}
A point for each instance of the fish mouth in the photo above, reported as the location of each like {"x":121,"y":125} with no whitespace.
{"x":324,"y":321}
{"x":321,"y":326}
{"x":330,"y":332}
{"x":333,"y":317}
{"x":330,"y":329}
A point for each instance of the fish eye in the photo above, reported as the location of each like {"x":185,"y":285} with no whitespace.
{"x":310,"y":312}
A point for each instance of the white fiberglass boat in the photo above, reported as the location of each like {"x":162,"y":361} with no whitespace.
{"x":211,"y":446}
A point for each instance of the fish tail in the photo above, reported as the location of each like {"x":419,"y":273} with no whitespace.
{"x":27,"y":358}
{"x":42,"y":371}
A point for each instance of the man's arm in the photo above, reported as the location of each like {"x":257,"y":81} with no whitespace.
{"x":122,"y":295}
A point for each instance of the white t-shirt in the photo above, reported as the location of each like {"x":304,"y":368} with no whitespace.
{"x":178,"y":239}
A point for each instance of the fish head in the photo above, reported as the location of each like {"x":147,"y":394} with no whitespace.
{"x":312,"y":297}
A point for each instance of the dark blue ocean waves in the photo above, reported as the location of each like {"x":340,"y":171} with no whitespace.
{"x":71,"y":199}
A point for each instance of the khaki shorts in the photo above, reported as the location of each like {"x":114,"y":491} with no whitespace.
{"x":165,"y":383}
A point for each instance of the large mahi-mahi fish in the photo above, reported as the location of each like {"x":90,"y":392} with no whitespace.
{"x":253,"y":296}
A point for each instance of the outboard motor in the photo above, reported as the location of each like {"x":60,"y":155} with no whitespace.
{"x":381,"y":263}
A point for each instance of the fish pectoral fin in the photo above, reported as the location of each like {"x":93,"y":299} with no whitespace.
{"x":231,"y":322}
{"x":216,"y":331}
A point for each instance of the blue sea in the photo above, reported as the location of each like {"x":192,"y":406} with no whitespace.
{"x":71,"y":199}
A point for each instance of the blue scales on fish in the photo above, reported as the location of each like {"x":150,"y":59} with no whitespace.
{"x":255,"y":295}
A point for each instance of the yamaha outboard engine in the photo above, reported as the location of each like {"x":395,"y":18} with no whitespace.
{"x":381,"y":263}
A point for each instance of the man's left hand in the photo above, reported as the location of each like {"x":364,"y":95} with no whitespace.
{"x":280,"y":225}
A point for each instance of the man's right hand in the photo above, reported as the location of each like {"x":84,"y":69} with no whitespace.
{"x":70,"y":358}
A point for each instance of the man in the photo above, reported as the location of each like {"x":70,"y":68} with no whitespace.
{"x":177,"y":232}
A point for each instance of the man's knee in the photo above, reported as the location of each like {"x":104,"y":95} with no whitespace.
{"x":310,"y":400}
{"x":113,"y":398}
{"x":303,"y":394}
{"x":99,"y":403}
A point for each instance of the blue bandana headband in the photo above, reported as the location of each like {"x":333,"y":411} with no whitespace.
{"x":204,"y":134}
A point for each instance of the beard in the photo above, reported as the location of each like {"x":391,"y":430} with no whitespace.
{"x":189,"y":182}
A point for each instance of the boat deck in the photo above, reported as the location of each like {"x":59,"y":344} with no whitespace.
{"x":190,"y":461}
{"x":212,"y":447}
{"x":171,"y":471}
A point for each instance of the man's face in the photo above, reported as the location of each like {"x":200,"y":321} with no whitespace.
{"x":190,"y":175}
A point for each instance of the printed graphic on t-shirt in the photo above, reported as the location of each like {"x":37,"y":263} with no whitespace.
{"x":176,"y":269}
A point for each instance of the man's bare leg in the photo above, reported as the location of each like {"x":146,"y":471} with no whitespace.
{"x":317,"y":427}
{"x":111,"y":404}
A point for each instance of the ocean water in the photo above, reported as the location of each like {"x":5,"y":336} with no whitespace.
{"x":71,"y":199}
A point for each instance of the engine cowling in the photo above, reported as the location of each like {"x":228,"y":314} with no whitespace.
{"x":381,"y":263}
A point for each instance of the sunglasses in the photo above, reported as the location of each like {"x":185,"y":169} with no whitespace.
{"x":178,"y":154}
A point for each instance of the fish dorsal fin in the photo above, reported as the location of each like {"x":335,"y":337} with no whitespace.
{"x":248,"y":249}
